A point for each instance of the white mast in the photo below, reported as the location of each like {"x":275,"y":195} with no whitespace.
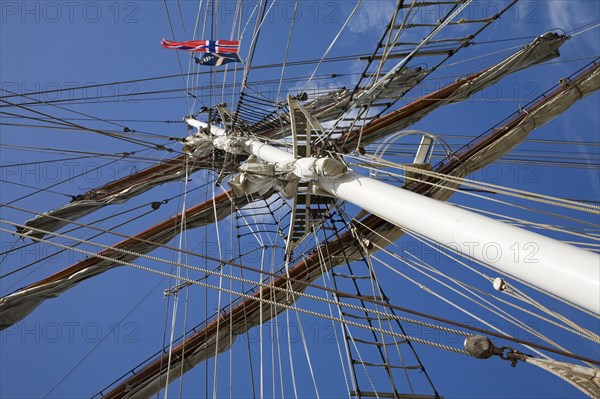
{"x":565,"y":270}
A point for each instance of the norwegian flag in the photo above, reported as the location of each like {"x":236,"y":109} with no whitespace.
{"x":216,"y":52}
{"x":204,"y":46}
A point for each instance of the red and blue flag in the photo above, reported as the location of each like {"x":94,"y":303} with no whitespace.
{"x":217,"y":52}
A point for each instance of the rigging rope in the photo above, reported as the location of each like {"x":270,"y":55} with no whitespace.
{"x":291,"y":292}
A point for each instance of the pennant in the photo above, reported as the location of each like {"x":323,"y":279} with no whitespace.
{"x":217,"y":59}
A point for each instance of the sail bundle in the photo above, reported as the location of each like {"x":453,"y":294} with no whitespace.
{"x":516,"y":130}
{"x":116,"y":192}
{"x":586,"y":379}
{"x":18,"y":305}
{"x":541,"y":49}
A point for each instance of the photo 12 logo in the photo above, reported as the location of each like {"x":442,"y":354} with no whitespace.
{"x":70,"y":332}
{"x":31,"y":93}
{"x":87,"y":174}
{"x":53,"y":12}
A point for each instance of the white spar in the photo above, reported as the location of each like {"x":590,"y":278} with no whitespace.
{"x":562,"y":269}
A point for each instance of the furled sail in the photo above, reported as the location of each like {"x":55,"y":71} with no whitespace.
{"x":586,"y":379}
{"x":16,"y":306}
{"x":541,"y":49}
{"x":116,"y":192}
{"x":504,"y":139}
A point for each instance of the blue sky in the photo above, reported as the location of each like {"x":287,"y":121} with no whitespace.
{"x":70,"y":341}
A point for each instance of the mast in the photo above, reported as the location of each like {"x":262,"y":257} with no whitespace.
{"x":565,"y":270}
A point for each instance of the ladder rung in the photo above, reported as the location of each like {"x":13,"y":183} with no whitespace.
{"x":377,"y":343}
{"x":387,"y":365}
{"x":354,"y":277}
{"x":328,"y":228}
{"x":368,"y":318}
{"x":362,"y":341}
{"x":371,"y":298}
{"x":369,"y":394}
